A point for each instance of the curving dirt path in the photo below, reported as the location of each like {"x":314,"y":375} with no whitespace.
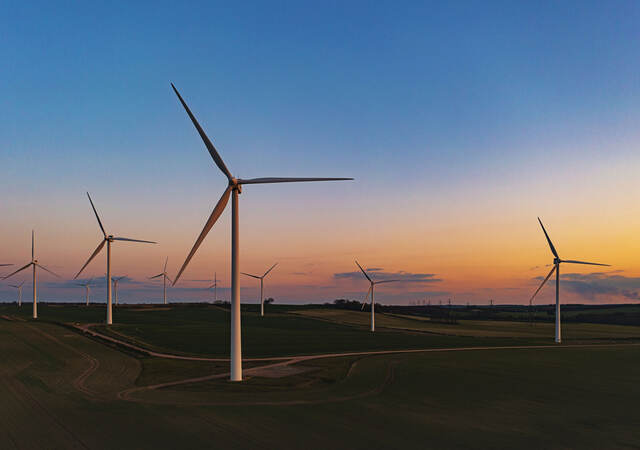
{"x":280,"y":361}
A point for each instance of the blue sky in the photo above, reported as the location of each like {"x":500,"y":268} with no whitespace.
{"x":427,"y":104}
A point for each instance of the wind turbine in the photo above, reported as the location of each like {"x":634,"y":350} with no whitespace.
{"x":556,"y":268}
{"x":115,"y":285}
{"x":87,"y":287}
{"x":234,"y":187}
{"x":165,"y":277}
{"x":34,"y":263}
{"x":214,"y":286}
{"x":19,"y":288}
{"x":108,"y":239}
{"x":370,"y":291}
{"x":261,"y":278}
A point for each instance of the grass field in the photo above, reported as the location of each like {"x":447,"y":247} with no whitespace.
{"x":61,"y":389}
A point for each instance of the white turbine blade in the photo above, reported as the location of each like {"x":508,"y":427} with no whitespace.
{"x":271,"y":268}
{"x":97,"y":217}
{"x":156,"y":276}
{"x":365,"y":273}
{"x":19,"y":270}
{"x":269,"y":180}
{"x":47,"y":270}
{"x":168,"y":278}
{"x":364,"y":302}
{"x":93,"y":255}
{"x":553,"y":249}
{"x":133,"y":240}
{"x":215,"y":214}
{"x":385,"y":281}
{"x":165,"y":264}
{"x":21,"y":284}
{"x":14,"y":286}
{"x":542,"y":284}
{"x":33,"y":245}
{"x":584,"y":262}
{"x":249,"y":275}
{"x":207,"y":142}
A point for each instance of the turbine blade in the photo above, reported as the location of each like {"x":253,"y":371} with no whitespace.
{"x":215,"y":214}
{"x":97,"y":216}
{"x":212,"y":286}
{"x":249,"y":275}
{"x":207,"y":142}
{"x":269,"y":180}
{"x":553,"y":249}
{"x":364,"y":302}
{"x":271,"y":268}
{"x":156,"y":276}
{"x":133,"y":240}
{"x":93,"y":255}
{"x":168,"y":278}
{"x":365,"y":273}
{"x":33,"y":245}
{"x":584,"y":262}
{"x":5,"y":265}
{"x":47,"y":270}
{"x":385,"y":281}
{"x":542,"y":284}
{"x":19,"y":270}
{"x":165,"y":264}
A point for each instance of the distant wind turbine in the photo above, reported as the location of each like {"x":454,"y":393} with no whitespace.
{"x":556,"y":269}
{"x":234,"y":187}
{"x":34,"y":263}
{"x":116,"y":280}
{"x":261,"y":278}
{"x":108,"y":239}
{"x":370,"y":291}
{"x":214,"y":286}
{"x":19,"y":288}
{"x":87,"y":288}
{"x":165,"y":277}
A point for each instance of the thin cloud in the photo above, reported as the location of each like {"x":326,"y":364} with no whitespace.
{"x":593,"y":286}
{"x":379,"y":275}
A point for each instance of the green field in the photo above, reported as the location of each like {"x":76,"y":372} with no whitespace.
{"x":62,"y":389}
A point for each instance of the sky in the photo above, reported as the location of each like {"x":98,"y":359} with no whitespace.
{"x":461,"y":122}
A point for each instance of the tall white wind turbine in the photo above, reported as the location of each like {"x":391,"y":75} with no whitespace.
{"x":372,"y":285}
{"x":108,"y":239}
{"x":261,"y":278}
{"x":19,"y":288}
{"x":165,"y":277}
{"x":87,"y":289}
{"x":116,"y":280}
{"x":233,"y":189}
{"x":34,"y":263}
{"x":556,"y":268}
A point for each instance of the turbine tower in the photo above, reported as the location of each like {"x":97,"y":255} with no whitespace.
{"x":19,"y":288}
{"x":165,"y":277}
{"x":261,"y":278}
{"x":556,"y":268}
{"x":108,"y":239}
{"x":370,"y":291}
{"x":34,"y":263}
{"x":233,"y":189}
{"x":116,"y":280}
{"x":87,"y":287}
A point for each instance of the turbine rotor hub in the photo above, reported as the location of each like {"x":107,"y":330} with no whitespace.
{"x":557,"y":261}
